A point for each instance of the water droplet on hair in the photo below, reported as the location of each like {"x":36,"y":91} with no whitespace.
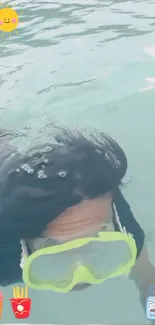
{"x":46,"y":161}
{"x":117,"y":163}
{"x":18,"y":170}
{"x":41,"y":174}
{"x":25,"y":167}
{"x":62,"y":173}
{"x":48,"y":148}
{"x":30,"y":171}
{"x":43,"y":166}
{"x":106,"y":156}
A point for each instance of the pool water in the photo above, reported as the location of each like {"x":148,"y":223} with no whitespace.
{"x":90,"y":64}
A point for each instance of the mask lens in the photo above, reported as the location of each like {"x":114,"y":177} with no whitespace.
{"x":100,"y":258}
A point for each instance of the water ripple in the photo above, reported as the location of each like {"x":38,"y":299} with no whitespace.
{"x":70,"y":84}
{"x":72,"y":50}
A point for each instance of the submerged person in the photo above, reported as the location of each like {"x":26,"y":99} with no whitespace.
{"x":63,"y":192}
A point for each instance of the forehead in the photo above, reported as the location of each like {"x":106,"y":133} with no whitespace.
{"x":87,"y":213}
{"x":82,"y":219}
{"x":100,"y":205}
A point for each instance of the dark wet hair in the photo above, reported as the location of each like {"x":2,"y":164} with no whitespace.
{"x":37,"y":187}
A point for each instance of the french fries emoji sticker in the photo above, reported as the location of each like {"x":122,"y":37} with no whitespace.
{"x":21,"y":304}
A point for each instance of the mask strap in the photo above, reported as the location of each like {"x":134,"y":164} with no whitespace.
{"x":24,"y":254}
{"x":117,"y":219}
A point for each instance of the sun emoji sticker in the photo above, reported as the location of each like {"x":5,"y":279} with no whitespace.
{"x":9,"y":20}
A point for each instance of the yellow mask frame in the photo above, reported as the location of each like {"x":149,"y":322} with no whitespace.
{"x":82,"y":273}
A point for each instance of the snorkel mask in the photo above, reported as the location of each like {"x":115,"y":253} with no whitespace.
{"x":91,"y":260}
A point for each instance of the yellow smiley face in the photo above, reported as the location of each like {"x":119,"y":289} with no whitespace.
{"x":8,"y":20}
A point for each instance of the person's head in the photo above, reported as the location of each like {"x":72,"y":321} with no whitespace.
{"x":62,"y":190}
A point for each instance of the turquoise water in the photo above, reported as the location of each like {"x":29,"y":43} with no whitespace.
{"x":84,"y":63}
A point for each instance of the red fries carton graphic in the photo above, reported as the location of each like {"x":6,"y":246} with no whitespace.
{"x":21,"y":304}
